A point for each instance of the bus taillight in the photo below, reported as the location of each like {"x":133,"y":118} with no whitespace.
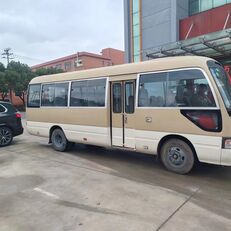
{"x":206,"y":120}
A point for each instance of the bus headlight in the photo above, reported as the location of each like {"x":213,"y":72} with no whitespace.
{"x":227,"y":143}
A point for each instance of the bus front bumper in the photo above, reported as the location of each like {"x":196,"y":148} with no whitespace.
{"x":226,"y":157}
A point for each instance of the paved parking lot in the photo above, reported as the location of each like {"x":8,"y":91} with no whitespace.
{"x":93,"y":188}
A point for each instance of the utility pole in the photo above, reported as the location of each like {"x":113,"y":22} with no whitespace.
{"x":7,"y":55}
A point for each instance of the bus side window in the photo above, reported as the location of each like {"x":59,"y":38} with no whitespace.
{"x":152,"y":90}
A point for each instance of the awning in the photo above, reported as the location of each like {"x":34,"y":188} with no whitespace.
{"x":216,"y":45}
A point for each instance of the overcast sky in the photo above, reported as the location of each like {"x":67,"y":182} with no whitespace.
{"x":41,"y":30}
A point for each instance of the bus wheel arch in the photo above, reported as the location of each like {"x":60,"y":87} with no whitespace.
{"x":183,"y":147}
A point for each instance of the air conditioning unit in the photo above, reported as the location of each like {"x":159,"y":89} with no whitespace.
{"x":78,"y":62}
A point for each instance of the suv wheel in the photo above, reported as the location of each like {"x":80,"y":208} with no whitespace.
{"x":6,"y":136}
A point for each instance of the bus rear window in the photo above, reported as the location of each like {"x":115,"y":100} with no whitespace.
{"x":33,"y":98}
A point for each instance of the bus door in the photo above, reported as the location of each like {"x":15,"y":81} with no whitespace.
{"x":122,"y":113}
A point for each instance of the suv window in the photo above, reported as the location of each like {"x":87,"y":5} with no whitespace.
{"x":2,"y":109}
{"x":8,"y":107}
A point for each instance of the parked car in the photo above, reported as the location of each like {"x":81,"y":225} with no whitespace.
{"x":10,"y":123}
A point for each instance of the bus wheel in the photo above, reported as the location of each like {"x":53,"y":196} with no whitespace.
{"x":177,"y":156}
{"x":59,"y":140}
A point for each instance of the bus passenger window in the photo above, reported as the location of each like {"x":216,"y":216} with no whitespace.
{"x":48,"y":95}
{"x":152,"y":90}
{"x":61,"y":94}
{"x":191,"y":88}
{"x":143,"y":96}
{"x":117,"y":98}
{"x":88,"y":93}
{"x":55,"y":95}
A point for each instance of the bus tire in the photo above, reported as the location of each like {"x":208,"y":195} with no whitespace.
{"x":59,"y":140}
{"x":177,"y":156}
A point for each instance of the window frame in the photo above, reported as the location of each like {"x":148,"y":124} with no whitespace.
{"x":90,"y":107}
{"x":217,"y":107}
{"x":48,"y":83}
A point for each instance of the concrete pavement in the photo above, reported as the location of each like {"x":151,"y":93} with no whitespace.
{"x":93,"y":188}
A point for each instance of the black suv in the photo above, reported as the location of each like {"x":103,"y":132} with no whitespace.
{"x":10,"y":123}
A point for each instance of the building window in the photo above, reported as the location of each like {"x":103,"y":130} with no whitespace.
{"x":58,"y":66}
{"x":136,"y":30}
{"x":206,"y":5}
{"x":67,"y":66}
{"x":197,"y":6}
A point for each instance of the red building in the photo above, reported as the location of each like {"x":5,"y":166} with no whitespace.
{"x":216,"y":19}
{"x":85,"y":60}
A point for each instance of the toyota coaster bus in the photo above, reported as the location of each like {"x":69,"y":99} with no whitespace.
{"x":178,"y":108}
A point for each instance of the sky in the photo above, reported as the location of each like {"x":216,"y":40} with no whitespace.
{"x":42,"y":30}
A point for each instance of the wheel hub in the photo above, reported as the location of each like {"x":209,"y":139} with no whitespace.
{"x":176,"y":156}
{"x":5,"y":136}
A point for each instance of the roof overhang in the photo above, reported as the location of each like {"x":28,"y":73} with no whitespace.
{"x":215,"y":45}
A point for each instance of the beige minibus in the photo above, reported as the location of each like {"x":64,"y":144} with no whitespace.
{"x":178,"y":108}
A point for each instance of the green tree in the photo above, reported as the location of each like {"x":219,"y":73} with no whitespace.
{"x":2,"y":67}
{"x":3,"y":86}
{"x":18,"y":76}
{"x":48,"y":71}
{"x":11,"y":78}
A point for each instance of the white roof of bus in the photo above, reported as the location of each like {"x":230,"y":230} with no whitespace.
{"x":126,"y":69}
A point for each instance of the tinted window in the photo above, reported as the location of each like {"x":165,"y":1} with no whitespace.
{"x":55,"y":94}
{"x":61,"y":94}
{"x":152,"y":89}
{"x":33,"y":99}
{"x":189,"y":88}
{"x":48,"y":95}
{"x":117,"y":98}
{"x":2,"y":109}
{"x":186,"y":88}
{"x":88,"y":93}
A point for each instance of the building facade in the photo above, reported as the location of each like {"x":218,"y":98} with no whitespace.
{"x":177,"y":27}
{"x":85,"y":60}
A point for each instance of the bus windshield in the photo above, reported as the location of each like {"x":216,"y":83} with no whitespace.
{"x":223,"y":83}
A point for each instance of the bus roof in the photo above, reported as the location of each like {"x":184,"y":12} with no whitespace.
{"x":127,"y":69}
